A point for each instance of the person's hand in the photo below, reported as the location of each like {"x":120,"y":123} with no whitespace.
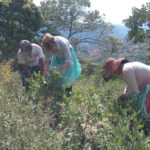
{"x":47,"y":73}
{"x":121,"y":98}
{"x":59,"y":70}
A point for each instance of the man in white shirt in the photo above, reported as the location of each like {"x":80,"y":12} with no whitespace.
{"x":30,"y":60}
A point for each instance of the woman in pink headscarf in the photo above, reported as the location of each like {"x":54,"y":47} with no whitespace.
{"x":136,"y":75}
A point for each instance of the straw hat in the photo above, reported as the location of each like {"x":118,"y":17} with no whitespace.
{"x":111,"y":65}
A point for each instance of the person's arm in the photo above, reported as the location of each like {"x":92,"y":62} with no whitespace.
{"x":41,"y":56}
{"x":63,"y":67}
{"x":46,"y":67}
{"x":131,"y":88}
{"x":47,"y":61}
{"x":26,"y":70}
{"x":41,"y":64}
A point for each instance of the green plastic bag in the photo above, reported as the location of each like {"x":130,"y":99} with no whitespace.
{"x":72,"y":72}
{"x":140,"y":98}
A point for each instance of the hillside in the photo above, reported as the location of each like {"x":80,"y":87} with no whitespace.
{"x":134,"y":52}
{"x":91,"y":119}
{"x":120,"y":31}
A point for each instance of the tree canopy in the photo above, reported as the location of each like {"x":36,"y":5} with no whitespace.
{"x":74,"y":20}
{"x":19,"y":19}
{"x":139,"y":24}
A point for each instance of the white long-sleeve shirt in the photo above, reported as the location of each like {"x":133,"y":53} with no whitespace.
{"x":136,"y":75}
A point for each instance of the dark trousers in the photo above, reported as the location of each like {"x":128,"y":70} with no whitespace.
{"x":33,"y":69}
{"x":68,"y":91}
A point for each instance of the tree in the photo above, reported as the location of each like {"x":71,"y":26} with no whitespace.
{"x":19,"y":19}
{"x":113,"y":44}
{"x":74,"y":20}
{"x":139,"y":24}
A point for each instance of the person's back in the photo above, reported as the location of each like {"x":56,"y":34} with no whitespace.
{"x":136,"y":75}
{"x":140,"y":71}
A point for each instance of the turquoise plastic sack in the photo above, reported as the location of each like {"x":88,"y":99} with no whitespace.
{"x":141,"y":98}
{"x":72,"y":72}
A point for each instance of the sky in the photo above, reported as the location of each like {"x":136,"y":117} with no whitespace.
{"x":115,"y":10}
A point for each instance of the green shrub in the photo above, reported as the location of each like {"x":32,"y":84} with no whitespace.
{"x":89,"y":68}
{"x":46,"y":87}
{"x":91,"y":118}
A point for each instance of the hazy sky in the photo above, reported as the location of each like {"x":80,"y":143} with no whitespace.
{"x":115,"y":10}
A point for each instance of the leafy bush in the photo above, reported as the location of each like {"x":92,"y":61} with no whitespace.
{"x":88,"y":67}
{"x":46,"y":87}
{"x":91,"y":118}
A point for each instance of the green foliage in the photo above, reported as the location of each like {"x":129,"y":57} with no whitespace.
{"x":73,"y":19}
{"x":147,"y":61}
{"x":46,"y":87}
{"x":91,"y":118}
{"x":114,"y":44}
{"x":88,"y":67}
{"x":18,"y":20}
{"x":139,"y":24}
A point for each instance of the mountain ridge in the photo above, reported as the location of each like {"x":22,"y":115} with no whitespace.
{"x":120,"y":31}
